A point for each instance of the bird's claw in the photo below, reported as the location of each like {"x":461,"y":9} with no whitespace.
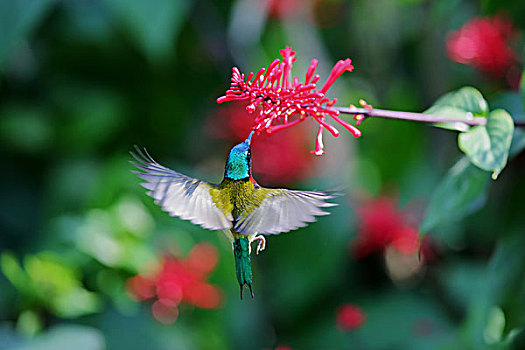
{"x":250,"y":287}
{"x":261,"y":245}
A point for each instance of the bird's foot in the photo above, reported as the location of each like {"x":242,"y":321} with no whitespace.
{"x":261,"y":245}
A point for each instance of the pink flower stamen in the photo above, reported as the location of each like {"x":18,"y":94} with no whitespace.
{"x":319,"y":147}
{"x":353,"y":130}
{"x":277,"y":96}
{"x":310,"y":71}
{"x":339,"y":68}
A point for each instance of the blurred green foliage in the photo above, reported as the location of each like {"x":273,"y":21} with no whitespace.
{"x":82,"y":81}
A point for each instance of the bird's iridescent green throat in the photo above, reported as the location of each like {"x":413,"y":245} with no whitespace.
{"x":239,"y":163}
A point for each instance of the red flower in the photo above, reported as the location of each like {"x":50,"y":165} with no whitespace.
{"x":350,"y":317}
{"x":383,"y":225}
{"x":282,"y":8}
{"x":270,"y":164}
{"x":179,"y":281}
{"x":485,"y":44}
{"x":283,"y":102}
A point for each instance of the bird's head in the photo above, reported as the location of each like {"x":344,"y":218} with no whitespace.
{"x":239,"y":163}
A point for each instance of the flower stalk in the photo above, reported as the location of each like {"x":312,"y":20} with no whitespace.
{"x":412,"y":116}
{"x":418,"y":117}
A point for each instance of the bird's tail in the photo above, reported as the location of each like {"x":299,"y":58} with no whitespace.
{"x":243,"y":266}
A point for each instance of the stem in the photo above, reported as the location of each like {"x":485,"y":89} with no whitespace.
{"x":418,"y":117}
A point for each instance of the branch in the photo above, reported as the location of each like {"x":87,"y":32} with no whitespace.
{"x":418,"y":117}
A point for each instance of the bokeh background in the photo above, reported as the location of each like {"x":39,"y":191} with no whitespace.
{"x":89,"y":262}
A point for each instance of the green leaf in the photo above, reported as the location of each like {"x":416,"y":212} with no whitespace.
{"x":17,"y":19}
{"x":465,"y":103}
{"x":495,"y":326}
{"x":29,"y":323}
{"x":50,"y":281}
{"x":511,"y":337}
{"x":518,"y":143}
{"x":153,"y":24}
{"x":461,"y":192}
{"x":502,"y":284}
{"x":488,"y":146}
{"x":14,"y":273}
{"x":59,"y":286}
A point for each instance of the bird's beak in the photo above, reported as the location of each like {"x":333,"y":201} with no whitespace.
{"x":249,"y":138}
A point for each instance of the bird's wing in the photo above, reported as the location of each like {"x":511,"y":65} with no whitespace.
{"x":282,"y":210}
{"x":180,"y":195}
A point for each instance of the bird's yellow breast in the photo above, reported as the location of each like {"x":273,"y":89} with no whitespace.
{"x":237,"y":197}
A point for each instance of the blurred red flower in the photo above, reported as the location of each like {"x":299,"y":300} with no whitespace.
{"x":484,"y":43}
{"x":179,"y":281}
{"x":382,"y":225}
{"x":350,"y":317}
{"x":282,"y":8}
{"x":278,"y":159}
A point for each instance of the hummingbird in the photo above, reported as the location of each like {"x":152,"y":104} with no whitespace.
{"x":239,"y":206}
